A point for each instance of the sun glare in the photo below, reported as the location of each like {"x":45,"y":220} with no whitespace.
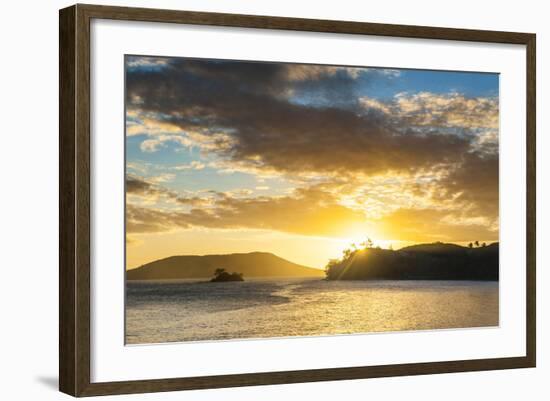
{"x":360,"y":240}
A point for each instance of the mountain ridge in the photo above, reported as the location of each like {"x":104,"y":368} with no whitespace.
{"x":435,"y":261}
{"x":251,"y":264}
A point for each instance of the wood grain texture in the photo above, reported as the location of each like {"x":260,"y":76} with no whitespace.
{"x":74,"y":206}
{"x":531,"y":178}
{"x":67,"y":131}
{"x":301,"y":376}
{"x":300,"y":24}
{"x":74,"y":199}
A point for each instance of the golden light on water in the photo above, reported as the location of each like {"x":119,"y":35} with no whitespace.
{"x":312,"y":307}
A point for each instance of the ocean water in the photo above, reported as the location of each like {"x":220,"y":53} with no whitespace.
{"x":187,"y":310}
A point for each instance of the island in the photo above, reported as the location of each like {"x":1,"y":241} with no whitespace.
{"x":220,"y":275}
{"x":429,"y":261}
{"x":253,"y":264}
{"x":434,"y":261}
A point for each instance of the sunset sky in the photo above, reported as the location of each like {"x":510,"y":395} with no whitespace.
{"x":300,"y":160}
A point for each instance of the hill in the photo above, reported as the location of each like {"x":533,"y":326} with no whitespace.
{"x":435,"y":248}
{"x":254,"y":264}
{"x":436,"y":261}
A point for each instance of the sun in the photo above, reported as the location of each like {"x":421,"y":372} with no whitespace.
{"x":354,"y":240}
{"x":359,"y":239}
{"x":359,"y":235}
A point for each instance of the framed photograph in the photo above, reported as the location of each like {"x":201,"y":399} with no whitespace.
{"x":250,"y":200}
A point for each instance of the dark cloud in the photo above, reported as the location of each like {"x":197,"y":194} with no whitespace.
{"x":245,"y":99}
{"x":138,"y":185}
{"x":141,"y":186}
{"x":431,"y":224}
{"x":308,"y":211}
{"x":311,"y":212}
{"x":141,"y":220}
{"x":307,"y":119}
{"x":194,"y":81}
{"x":474,"y":182}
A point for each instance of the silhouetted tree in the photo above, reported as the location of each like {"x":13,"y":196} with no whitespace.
{"x":476,"y":243}
{"x":347,"y":253}
{"x":436,"y":261}
{"x":484,"y":245}
{"x":223,"y":275}
{"x":331,"y":267}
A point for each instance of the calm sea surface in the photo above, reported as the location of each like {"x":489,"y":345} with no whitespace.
{"x":163,"y":311}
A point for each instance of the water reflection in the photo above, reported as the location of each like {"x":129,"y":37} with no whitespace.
{"x":191,"y":311}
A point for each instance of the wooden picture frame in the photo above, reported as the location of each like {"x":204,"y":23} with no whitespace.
{"x":74,"y":200}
